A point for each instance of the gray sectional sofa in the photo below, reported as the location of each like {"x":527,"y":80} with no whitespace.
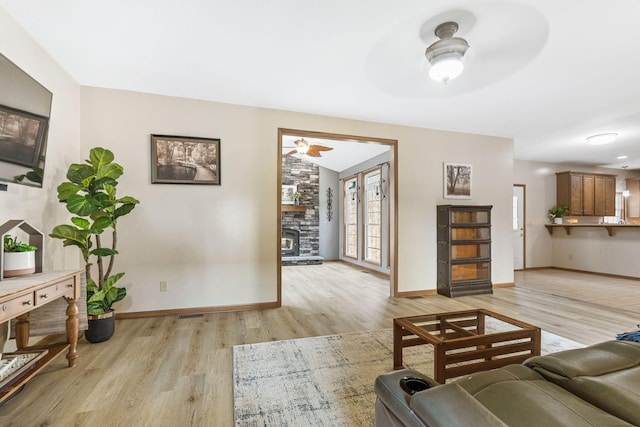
{"x":592,"y":386}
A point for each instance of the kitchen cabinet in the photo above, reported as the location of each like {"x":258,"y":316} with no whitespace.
{"x":586,"y":194}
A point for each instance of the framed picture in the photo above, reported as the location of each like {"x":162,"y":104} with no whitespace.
{"x":21,"y":136}
{"x":287,"y":194}
{"x":457,"y":181}
{"x":185,"y":160}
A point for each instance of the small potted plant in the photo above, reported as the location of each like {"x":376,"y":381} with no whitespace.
{"x":296,"y":198}
{"x":556,"y":213}
{"x":19,"y":258}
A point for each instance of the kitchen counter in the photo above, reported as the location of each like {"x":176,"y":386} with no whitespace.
{"x":609,"y":227}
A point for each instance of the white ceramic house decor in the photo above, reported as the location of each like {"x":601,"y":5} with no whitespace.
{"x":36,"y":238}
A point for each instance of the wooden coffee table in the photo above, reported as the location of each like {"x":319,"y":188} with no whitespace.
{"x":461,"y":342}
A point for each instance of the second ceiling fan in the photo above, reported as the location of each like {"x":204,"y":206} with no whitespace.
{"x":303,"y":147}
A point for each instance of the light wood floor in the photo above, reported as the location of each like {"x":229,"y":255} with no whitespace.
{"x":168,"y":371}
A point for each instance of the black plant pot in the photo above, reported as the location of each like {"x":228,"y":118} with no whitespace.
{"x":101,"y":327}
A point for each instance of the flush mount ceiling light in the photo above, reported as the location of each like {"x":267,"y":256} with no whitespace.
{"x":446,"y":55}
{"x":601,"y":139}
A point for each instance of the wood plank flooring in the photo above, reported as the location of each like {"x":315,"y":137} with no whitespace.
{"x":168,"y":371}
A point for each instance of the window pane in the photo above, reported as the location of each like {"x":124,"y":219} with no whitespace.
{"x":373,"y":216}
{"x":350,"y":218}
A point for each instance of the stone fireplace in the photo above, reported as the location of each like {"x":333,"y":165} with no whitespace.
{"x":301,"y":226}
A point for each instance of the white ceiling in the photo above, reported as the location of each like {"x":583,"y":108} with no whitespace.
{"x":547,"y":73}
{"x":344,"y":155}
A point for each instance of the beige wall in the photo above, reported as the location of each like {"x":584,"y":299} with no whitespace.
{"x":216,"y":245}
{"x":39,"y":206}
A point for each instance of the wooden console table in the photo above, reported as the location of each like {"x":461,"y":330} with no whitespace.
{"x":20,"y":295}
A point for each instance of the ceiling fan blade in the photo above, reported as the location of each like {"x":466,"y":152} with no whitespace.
{"x":320,"y":148}
{"x":313,"y":153}
{"x":295,"y":151}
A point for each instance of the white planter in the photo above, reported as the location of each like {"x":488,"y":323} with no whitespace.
{"x":557,"y":220}
{"x":19,"y":263}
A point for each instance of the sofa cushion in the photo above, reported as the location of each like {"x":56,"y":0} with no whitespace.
{"x":606,"y":375}
{"x":521,"y":397}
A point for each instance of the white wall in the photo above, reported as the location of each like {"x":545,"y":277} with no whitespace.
{"x":216,"y":245}
{"x":542,"y":250}
{"x":329,"y":230}
{"x":40,"y":206}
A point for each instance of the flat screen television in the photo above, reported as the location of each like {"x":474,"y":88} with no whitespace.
{"x":25,"y":109}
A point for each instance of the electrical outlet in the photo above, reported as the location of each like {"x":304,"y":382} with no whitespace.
{"x":163,"y":286}
{"x":570,"y":256}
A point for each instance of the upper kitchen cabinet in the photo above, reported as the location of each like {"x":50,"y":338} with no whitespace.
{"x":586,"y":194}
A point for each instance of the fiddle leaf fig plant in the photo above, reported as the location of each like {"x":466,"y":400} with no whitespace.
{"x":90,"y":194}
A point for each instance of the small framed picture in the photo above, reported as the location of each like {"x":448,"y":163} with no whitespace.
{"x":457,"y":180}
{"x":21,"y":136}
{"x":185,"y":160}
{"x":287,"y":194}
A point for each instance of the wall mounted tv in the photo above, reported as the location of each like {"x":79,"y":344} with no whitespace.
{"x":25,"y":108}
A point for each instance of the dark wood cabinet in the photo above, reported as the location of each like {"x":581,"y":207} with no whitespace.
{"x":464,"y":250}
{"x":605,"y":195}
{"x":586,"y":194}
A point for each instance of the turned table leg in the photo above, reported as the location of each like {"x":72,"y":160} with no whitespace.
{"x":72,"y":331}
{"x":22,"y":331}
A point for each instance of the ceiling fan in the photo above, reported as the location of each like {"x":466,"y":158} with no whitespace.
{"x":303,"y":147}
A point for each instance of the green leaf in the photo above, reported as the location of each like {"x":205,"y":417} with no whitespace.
{"x":100,"y":223}
{"x":103,"y":252}
{"x":99,"y":156}
{"x":101,"y":183}
{"x":101,"y":199}
{"x":128,"y":199}
{"x":81,"y":222}
{"x":70,"y":233}
{"x":91,"y":286}
{"x":123,"y":210}
{"x":80,"y":174}
{"x":111,"y":170}
{"x":35,"y":175}
{"x":95,"y":308}
{"x":82,"y":205}
{"x":111,"y":280}
{"x":66,"y":190}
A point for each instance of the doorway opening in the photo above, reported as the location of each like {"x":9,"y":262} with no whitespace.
{"x":293,"y":202}
{"x":519,"y":227}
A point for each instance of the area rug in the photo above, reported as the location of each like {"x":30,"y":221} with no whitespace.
{"x":325,"y":381}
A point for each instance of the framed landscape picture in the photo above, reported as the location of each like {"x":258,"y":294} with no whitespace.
{"x":457,"y":180}
{"x":21,"y":136}
{"x":185,"y":160}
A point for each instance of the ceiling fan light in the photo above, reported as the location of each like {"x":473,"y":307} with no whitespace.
{"x":602,"y":138}
{"x":446,"y":67}
{"x":446,"y":54}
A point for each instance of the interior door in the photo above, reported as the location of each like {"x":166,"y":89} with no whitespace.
{"x":518,"y":227}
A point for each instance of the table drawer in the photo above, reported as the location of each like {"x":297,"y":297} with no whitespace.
{"x":52,"y":292}
{"x":16,"y":306}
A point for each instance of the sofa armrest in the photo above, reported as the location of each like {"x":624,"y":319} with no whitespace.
{"x":392,"y":406}
{"x":439,"y":406}
{"x":450,"y":405}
